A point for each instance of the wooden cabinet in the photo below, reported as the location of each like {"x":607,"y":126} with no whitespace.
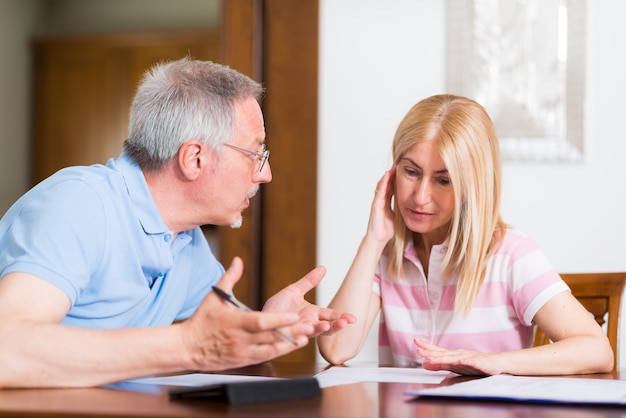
{"x":83,"y":88}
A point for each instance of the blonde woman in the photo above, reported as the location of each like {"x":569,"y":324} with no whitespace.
{"x":456,"y":288}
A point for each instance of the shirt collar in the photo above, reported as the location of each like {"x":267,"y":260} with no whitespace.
{"x":411,"y":254}
{"x":139,"y":193}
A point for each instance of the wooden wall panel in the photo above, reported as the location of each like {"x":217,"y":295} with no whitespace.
{"x":290,"y":70}
{"x":275,"y":41}
{"x":83,"y":88}
{"x":241,"y":41}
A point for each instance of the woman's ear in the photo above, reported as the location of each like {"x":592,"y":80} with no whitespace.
{"x":191,"y":159}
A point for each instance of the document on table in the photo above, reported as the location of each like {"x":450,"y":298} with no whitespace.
{"x":155,"y":384}
{"x":534,"y":389}
{"x":331,"y":377}
{"x":345,"y":375}
{"x":197,"y":379}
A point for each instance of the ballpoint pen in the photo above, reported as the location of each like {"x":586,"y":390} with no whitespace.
{"x":231,"y":299}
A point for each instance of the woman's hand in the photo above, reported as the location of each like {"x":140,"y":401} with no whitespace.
{"x":382,"y":217}
{"x":465,"y":362}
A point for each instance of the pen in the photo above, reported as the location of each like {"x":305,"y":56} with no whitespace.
{"x":231,"y":299}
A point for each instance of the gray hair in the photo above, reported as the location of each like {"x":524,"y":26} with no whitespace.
{"x":180,"y":100}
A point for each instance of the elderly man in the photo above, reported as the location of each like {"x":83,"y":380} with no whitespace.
{"x":105,"y":274}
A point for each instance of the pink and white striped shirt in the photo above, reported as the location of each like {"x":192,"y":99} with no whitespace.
{"x":519,"y":280}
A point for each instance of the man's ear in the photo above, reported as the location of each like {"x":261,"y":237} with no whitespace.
{"x":191,"y":159}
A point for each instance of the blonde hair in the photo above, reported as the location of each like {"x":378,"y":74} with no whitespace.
{"x":467,"y":141}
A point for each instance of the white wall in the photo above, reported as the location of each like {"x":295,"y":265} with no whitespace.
{"x":377,"y":58}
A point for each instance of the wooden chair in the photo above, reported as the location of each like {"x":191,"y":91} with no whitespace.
{"x":601,"y":294}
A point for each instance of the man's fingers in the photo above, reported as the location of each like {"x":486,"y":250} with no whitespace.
{"x":231,"y":276}
{"x":327,"y":314}
{"x":264,"y":321}
{"x":268,"y":327}
{"x":310,"y":280}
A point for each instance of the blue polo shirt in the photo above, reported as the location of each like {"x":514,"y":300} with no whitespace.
{"x":95,"y":233}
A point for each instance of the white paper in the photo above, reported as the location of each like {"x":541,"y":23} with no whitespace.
{"x":197,"y":379}
{"x":331,"y":377}
{"x":535,"y":389}
{"x":346,"y":375}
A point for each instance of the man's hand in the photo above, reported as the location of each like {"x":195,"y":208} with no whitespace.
{"x":219,"y":336}
{"x":291,"y":299}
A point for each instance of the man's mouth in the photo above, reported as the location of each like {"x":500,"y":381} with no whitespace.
{"x":249,"y":196}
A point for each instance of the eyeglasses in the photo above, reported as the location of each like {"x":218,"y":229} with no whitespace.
{"x":263,"y":156}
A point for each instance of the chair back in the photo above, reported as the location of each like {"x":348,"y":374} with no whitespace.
{"x":601,"y":295}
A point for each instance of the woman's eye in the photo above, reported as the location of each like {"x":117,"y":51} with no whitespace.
{"x":411,"y":172}
{"x":444,"y":181}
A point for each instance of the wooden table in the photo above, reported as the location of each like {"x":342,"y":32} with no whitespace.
{"x":346,"y":401}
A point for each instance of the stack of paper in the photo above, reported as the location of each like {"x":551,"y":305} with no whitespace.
{"x":571,"y":390}
{"x":345,"y":375}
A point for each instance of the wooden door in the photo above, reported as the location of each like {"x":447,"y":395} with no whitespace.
{"x":275,"y":41}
